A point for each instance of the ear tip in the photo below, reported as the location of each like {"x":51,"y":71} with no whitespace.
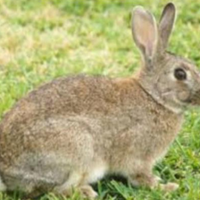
{"x":171,"y":5}
{"x":138,"y":9}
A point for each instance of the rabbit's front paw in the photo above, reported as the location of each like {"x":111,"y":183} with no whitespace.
{"x":88,"y":192}
{"x":169,"y":187}
{"x":147,"y":180}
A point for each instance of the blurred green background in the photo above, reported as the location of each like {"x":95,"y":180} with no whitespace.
{"x":41,"y":40}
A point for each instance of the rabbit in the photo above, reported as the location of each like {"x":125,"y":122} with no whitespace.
{"x":73,"y":131}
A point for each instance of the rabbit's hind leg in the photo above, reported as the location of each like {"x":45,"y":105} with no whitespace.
{"x":74,"y":183}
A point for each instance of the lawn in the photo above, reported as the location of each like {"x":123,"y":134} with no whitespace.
{"x":42,"y":40}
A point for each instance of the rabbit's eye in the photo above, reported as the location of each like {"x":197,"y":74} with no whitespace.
{"x":180,"y":74}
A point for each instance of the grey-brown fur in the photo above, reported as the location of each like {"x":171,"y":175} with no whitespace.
{"x":74,"y":130}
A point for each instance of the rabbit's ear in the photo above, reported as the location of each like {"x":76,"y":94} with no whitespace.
{"x":166,"y":24}
{"x":144,"y":30}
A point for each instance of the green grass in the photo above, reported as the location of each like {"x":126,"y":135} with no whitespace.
{"x":41,"y":40}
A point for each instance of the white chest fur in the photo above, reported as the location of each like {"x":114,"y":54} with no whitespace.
{"x":97,"y":171}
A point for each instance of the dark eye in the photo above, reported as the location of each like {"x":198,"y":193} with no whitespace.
{"x":180,"y":74}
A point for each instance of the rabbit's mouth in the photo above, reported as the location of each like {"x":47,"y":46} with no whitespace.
{"x":184,"y":97}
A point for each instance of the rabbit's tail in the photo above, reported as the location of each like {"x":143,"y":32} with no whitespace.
{"x":2,"y":185}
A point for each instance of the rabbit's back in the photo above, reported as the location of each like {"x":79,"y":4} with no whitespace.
{"x":61,"y":98}
{"x":48,"y":129}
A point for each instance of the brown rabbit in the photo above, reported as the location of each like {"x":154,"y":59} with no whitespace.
{"x":74,"y":130}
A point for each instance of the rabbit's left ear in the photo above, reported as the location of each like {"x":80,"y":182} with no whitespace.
{"x":144,"y":30}
{"x":166,"y":24}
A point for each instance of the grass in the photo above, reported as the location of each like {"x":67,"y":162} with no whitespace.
{"x":42,"y":40}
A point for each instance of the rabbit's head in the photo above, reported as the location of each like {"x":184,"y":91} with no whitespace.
{"x":168,"y":78}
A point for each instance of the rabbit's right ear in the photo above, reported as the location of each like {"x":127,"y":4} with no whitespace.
{"x":144,"y":30}
{"x":166,"y":24}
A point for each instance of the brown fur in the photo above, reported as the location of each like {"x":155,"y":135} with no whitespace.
{"x":72,"y":131}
